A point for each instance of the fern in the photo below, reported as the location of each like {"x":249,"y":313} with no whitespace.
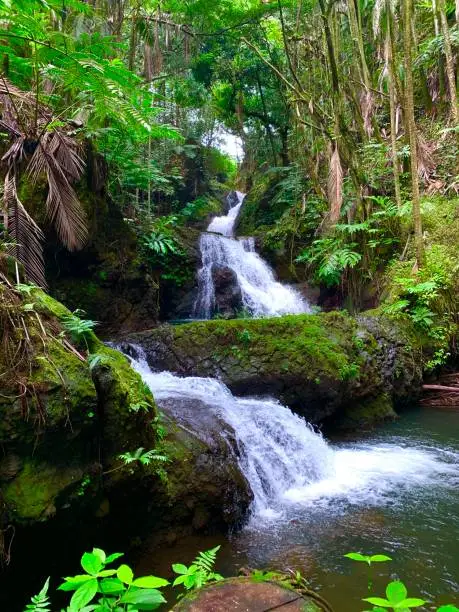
{"x":40,"y":602}
{"x":143,"y":457}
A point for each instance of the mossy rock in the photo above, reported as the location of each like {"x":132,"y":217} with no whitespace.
{"x":316,"y":364}
{"x":245,"y":595}
{"x":59,"y":418}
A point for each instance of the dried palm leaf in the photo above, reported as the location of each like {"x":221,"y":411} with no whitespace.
{"x":335,"y":186}
{"x":54,"y":159}
{"x":27,"y":237}
{"x":157,"y":53}
{"x":147,"y":62}
{"x":426,"y":159}
{"x":367,"y":108}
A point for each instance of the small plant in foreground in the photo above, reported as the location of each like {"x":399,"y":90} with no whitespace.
{"x":40,"y":602}
{"x":111,"y":589}
{"x":368,"y":559}
{"x":396,"y":599}
{"x":200,"y":572}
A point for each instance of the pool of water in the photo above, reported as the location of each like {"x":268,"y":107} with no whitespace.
{"x":394,"y":491}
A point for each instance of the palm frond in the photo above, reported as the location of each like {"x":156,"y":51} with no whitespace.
{"x":56,"y":159}
{"x":335,"y":186}
{"x":27,"y":237}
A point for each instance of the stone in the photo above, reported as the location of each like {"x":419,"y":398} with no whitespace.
{"x":245,"y":595}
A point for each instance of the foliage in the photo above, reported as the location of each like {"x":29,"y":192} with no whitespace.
{"x":111,"y":589}
{"x":200,"y":572}
{"x":40,"y":602}
{"x":80,"y":330}
{"x":143,"y":457}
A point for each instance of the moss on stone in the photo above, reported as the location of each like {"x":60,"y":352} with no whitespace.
{"x":32,"y":495}
{"x":366,"y":414}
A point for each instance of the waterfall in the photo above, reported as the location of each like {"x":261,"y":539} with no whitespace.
{"x":289,"y":465}
{"x":262,"y":295}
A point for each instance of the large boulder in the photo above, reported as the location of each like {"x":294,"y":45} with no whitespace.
{"x":324,"y":366}
{"x":228,"y":294}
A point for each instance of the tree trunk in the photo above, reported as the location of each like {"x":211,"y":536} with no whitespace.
{"x":449,"y":61}
{"x":393,"y":107}
{"x":408,"y":112}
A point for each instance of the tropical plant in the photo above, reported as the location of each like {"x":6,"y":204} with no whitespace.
{"x":200,"y":572}
{"x":40,"y":602}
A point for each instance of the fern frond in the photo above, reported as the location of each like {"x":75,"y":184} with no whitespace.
{"x":40,"y":602}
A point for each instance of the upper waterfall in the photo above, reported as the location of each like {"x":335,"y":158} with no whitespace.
{"x":261,"y":294}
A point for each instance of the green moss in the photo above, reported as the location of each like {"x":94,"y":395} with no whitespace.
{"x":307,"y":343}
{"x":32,"y":495}
{"x":367,"y":414}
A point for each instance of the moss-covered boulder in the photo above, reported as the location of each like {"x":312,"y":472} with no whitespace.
{"x":319,"y":365}
{"x":63,"y":418}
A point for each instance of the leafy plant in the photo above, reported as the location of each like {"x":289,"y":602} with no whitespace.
{"x":111,"y":589}
{"x":40,"y":602}
{"x":200,"y":572}
{"x":396,"y":598}
{"x":80,"y":330}
{"x":143,"y":457}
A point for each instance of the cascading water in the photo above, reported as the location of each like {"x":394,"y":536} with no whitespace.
{"x":262,"y":295}
{"x":290,"y":466}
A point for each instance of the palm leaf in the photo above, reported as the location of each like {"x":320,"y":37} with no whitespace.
{"x":27,"y":237}
{"x":57,"y":160}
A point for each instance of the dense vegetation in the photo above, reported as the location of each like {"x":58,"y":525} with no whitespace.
{"x":123,"y":125}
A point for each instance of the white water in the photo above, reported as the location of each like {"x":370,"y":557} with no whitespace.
{"x":290,"y":466}
{"x":262,"y":295}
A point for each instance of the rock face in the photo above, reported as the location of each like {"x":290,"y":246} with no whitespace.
{"x":228,"y":294}
{"x":64,"y":424}
{"x":246,"y":595}
{"x":328,"y":367}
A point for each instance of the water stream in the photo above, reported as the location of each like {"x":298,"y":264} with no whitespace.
{"x":262,"y":295}
{"x":394,"y":492}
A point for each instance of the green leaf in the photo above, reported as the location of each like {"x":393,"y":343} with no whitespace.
{"x":72,"y":583}
{"x":179,"y":580}
{"x":357,"y":557}
{"x":143,"y":596}
{"x":111,"y":586}
{"x":396,"y":591}
{"x":448,"y":608}
{"x":113,"y":557}
{"x":379,"y":558}
{"x":179,"y":568}
{"x":105,"y":573}
{"x":99,"y":553}
{"x":91,"y":563}
{"x":378,"y":601}
{"x":150,"y":582}
{"x":410,"y":602}
{"x":125,"y":574}
{"x":83,"y":595}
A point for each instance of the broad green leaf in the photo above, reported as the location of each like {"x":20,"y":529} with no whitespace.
{"x":72,"y":583}
{"x":378,"y":601}
{"x":91,"y":563}
{"x":410,"y":602}
{"x":179,"y":568}
{"x":448,"y":608}
{"x":111,"y":586}
{"x":143,"y":596}
{"x":99,"y":553}
{"x":105,"y":573}
{"x":113,"y":557}
{"x":396,"y":591}
{"x":357,"y":557}
{"x":125,"y":574}
{"x":379,"y":558}
{"x":179,"y":580}
{"x":150,"y":582}
{"x":83,"y":595}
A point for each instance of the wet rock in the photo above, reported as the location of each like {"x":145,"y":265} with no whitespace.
{"x":228,"y":294}
{"x":319,"y":365}
{"x":245,"y":595}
